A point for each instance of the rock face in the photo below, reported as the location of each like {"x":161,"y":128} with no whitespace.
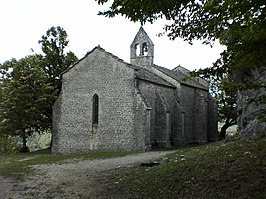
{"x":251,"y":105}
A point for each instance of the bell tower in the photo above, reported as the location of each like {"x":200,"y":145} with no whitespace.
{"x":142,"y":49}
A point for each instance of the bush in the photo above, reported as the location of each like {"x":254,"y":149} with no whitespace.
{"x":6,"y":145}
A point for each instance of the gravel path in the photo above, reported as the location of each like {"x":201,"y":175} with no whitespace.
{"x":75,"y":179}
{"x":6,"y":186}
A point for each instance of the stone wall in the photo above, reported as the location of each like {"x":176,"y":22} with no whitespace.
{"x":187,"y":103}
{"x":212,"y":119}
{"x":137,"y":108}
{"x":194,"y":109}
{"x":55,"y":125}
{"x":142,"y":122}
{"x":113,"y":81}
{"x":162,"y":101}
{"x":200,"y":116}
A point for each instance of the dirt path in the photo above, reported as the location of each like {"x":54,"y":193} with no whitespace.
{"x":80,"y":179}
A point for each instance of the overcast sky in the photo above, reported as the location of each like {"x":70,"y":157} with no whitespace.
{"x":23,"y":22}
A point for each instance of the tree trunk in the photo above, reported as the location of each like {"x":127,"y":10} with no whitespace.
{"x":224,"y":128}
{"x":24,"y":148}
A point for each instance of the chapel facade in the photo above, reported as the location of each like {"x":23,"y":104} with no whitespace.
{"x":108,"y":104}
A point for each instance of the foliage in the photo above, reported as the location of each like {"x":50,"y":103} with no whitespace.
{"x":144,"y":10}
{"x":239,"y":25}
{"x":56,"y":60}
{"x":27,"y":97}
{"x":6,"y":145}
{"x":30,"y":86}
{"x":201,"y":19}
{"x":228,"y":169}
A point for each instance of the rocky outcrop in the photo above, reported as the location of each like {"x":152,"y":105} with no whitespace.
{"x":251,"y":105}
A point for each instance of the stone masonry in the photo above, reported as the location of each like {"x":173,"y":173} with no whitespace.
{"x":108,"y":104}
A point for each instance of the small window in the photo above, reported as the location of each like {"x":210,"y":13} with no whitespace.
{"x":95,"y":109}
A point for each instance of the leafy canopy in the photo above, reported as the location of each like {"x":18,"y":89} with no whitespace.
{"x":26,"y":96}
{"x":56,"y":59}
{"x":30,"y":86}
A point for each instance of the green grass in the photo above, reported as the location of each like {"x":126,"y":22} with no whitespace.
{"x":235,"y":169}
{"x":18,"y":165}
{"x":228,"y":169}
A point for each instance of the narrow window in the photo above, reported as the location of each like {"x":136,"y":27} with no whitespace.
{"x":95,"y":109}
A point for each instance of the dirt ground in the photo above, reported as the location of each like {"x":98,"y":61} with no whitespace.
{"x":74,"y":179}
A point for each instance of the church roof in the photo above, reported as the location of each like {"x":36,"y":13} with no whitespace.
{"x":141,"y":73}
{"x":100,"y":49}
{"x":151,"y":77}
{"x":181,"y":76}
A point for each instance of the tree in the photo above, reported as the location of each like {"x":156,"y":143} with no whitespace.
{"x":56,"y":59}
{"x":227,"y":109}
{"x":196,"y":19}
{"x":26,"y":97}
{"x":30,"y":86}
{"x":239,"y":25}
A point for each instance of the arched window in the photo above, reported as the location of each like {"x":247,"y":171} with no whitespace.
{"x":95,"y":109}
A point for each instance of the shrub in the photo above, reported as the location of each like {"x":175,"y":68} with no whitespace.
{"x":6,"y":145}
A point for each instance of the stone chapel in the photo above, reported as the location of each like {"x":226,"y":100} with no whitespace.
{"x":109,"y":104}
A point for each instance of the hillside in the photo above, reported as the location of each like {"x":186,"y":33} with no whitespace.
{"x":235,"y":169}
{"x":228,"y":169}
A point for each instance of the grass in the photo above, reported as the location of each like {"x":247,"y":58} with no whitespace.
{"x":227,"y":169}
{"x":235,"y":169}
{"x":18,"y":165}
